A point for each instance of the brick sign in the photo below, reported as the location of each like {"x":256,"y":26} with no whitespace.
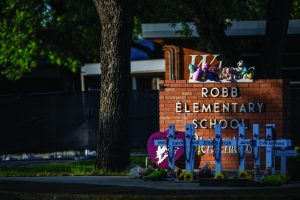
{"x":205,"y":104}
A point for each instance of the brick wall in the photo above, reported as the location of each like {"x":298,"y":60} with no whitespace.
{"x":273,"y":93}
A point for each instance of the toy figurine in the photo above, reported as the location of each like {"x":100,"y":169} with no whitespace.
{"x":248,"y":73}
{"x":238,"y":69}
{"x":227,"y":74}
{"x":192,"y":69}
{"x":200,"y":72}
{"x":212,"y":75}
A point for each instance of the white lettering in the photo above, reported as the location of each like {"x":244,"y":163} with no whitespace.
{"x":204,"y":92}
{"x":195,"y":123}
{"x":234,"y":106}
{"x":223,"y":123}
{"x":224,"y":92}
{"x":212,"y":123}
{"x":236,"y":124}
{"x":251,"y":107}
{"x":234,"y":92}
{"x":206,"y":109}
{"x":226,"y":107}
{"x":178,"y":107}
{"x":203,"y":122}
{"x":243,"y":108}
{"x":186,"y":108}
{"x":212,"y":92}
{"x":193,"y":59}
{"x":196,"y":107}
{"x":260,"y":107}
{"x":216,"y":107}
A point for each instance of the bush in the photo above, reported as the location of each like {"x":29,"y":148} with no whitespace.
{"x":156,"y":175}
{"x":274,"y":180}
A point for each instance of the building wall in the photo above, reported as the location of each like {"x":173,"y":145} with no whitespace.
{"x":274,"y":94}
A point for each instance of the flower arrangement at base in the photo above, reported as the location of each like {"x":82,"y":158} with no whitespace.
{"x":219,"y":176}
{"x":244,"y":175}
{"x":186,"y":176}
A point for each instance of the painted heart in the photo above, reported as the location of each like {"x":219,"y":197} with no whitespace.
{"x":159,"y":154}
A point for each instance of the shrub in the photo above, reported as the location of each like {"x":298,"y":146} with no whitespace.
{"x":274,"y":180}
{"x":156,"y":175}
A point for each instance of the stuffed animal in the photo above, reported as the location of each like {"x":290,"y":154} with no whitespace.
{"x":192,"y":69}
{"x":212,"y":75}
{"x":248,"y":73}
{"x":227,"y":74}
{"x":237,"y":71}
{"x":205,"y":69}
{"x":200,"y":72}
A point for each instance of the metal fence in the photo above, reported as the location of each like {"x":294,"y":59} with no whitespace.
{"x":59,"y":121}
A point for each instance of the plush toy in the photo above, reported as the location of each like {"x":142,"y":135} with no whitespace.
{"x":200,"y":72}
{"x":238,"y":69}
{"x":212,"y":75}
{"x":227,"y":74}
{"x":205,"y":69}
{"x":192,"y":69}
{"x":248,"y":73}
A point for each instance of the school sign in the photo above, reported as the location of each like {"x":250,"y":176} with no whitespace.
{"x":205,"y":104}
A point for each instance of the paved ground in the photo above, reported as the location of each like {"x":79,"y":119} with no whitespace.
{"x":116,"y":187}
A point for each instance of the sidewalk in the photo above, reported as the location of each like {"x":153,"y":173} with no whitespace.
{"x":115,"y":186}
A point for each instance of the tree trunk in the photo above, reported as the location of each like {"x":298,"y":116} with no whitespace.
{"x":113,"y":150}
{"x":275,"y":39}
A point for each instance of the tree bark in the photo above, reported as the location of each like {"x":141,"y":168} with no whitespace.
{"x":113,"y":150}
{"x":278,"y":13}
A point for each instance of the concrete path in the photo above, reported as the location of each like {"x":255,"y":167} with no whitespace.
{"x":124,"y":181}
{"x":121,"y":187}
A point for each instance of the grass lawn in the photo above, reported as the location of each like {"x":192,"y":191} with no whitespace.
{"x":77,"y":168}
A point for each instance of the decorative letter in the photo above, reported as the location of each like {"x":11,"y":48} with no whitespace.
{"x":234,"y":92}
{"x":260,"y":107}
{"x":178,"y":107}
{"x":204,"y":92}
{"x":196,"y":107}
{"x":212,"y":92}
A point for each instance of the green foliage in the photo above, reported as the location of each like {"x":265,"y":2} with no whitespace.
{"x":274,"y":180}
{"x":156,"y":175}
{"x":62,"y":33}
{"x":148,"y":171}
{"x":19,"y":24}
{"x":138,"y":160}
{"x":295,"y":12}
{"x":73,"y":34}
{"x":137,"y":28}
{"x":161,"y":11}
{"x":81,"y":168}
